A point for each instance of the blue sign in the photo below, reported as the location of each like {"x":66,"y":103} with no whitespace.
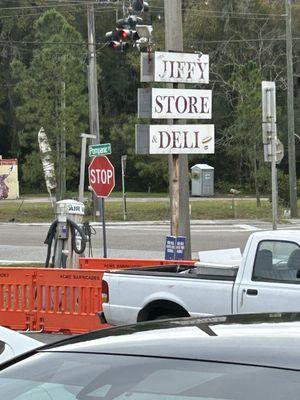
{"x":175,"y":247}
{"x":180,"y":247}
{"x":170,"y":248}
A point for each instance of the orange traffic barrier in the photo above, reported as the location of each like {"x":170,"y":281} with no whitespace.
{"x":68,"y":300}
{"x":119,"y":263}
{"x":17,"y":309}
{"x":50,"y":300}
{"x":59,"y":300}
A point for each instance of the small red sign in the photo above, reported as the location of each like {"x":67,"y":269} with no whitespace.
{"x":101,"y":176}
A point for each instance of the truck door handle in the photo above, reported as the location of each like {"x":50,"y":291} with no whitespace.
{"x":252,"y":292}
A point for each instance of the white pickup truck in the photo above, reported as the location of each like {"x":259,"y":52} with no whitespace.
{"x":267,"y":280}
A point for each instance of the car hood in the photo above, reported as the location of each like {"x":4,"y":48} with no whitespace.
{"x":272,"y":342}
{"x":15,"y":344}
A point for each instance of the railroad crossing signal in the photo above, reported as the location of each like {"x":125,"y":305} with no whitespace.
{"x":101,"y":176}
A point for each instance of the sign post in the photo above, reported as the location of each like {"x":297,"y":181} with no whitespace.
{"x":84,"y":137}
{"x":270,"y":140}
{"x":102,"y":182}
{"x":123,"y":167}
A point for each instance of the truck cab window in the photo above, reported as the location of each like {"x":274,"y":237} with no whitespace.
{"x":277,"y":261}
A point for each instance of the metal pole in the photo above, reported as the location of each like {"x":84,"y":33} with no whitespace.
{"x":104,"y":227}
{"x":179,"y":200}
{"x":274,"y":184}
{"x":123,"y":160}
{"x":84,"y":138}
{"x":290,"y":108}
{"x":93,"y":97}
{"x":271,"y":118}
{"x":63,"y":142}
{"x":82,"y":168}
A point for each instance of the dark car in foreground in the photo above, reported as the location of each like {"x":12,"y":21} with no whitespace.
{"x":236,"y":357}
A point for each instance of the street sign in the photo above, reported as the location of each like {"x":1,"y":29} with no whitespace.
{"x":175,"y":67}
{"x":279,"y":152}
{"x":175,"y":247}
{"x":170,"y":247}
{"x":180,"y":247}
{"x":96,"y":150}
{"x":174,"y":103}
{"x":101,"y":176}
{"x":268,"y":90}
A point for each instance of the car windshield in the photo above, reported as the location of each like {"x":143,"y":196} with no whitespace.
{"x":69,"y":376}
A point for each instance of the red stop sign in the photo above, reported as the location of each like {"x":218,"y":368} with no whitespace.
{"x":101,"y":176}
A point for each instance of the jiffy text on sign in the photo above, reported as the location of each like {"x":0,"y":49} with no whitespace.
{"x":181,"y":67}
{"x":181,"y":103}
{"x":182,"y":139}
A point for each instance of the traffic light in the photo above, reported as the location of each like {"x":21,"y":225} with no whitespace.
{"x":129,"y":28}
{"x":120,"y":46}
{"x":117,"y":39}
{"x":140,"y":6}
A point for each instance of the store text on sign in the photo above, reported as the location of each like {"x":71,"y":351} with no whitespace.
{"x":185,"y":103}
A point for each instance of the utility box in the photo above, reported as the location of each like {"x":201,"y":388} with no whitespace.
{"x":67,"y":211}
{"x":202,"y":180}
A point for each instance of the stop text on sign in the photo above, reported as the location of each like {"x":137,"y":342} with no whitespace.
{"x":181,"y":67}
{"x":101,"y":176}
{"x":182,"y":139}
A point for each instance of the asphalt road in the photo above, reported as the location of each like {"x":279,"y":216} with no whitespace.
{"x":24,"y":242}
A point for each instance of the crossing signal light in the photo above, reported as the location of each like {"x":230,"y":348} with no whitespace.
{"x":120,"y":46}
{"x":117,"y":39}
{"x":118,"y":34}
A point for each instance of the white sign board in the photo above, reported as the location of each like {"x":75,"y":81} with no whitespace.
{"x":182,"y":139}
{"x":223,"y":256}
{"x":181,"y":103}
{"x":181,"y":67}
{"x":268,"y":89}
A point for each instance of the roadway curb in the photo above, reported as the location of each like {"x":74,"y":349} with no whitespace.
{"x":143,"y":223}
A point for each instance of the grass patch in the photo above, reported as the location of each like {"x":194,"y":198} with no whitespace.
{"x":116,"y":194}
{"x":225,"y":209}
{"x":142,"y":211}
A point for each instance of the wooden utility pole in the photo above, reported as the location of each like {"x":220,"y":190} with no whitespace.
{"x":290,"y":109}
{"x":178,"y":164}
{"x":93,"y":104}
{"x":92,"y":75}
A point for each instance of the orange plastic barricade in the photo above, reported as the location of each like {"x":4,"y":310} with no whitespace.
{"x":120,"y":263}
{"x":59,"y":300}
{"x":50,"y":300}
{"x":17,"y":309}
{"x":68,"y":300}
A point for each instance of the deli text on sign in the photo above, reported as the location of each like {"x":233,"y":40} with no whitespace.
{"x":182,"y":139}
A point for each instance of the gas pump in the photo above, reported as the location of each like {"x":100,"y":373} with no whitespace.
{"x":68,"y":235}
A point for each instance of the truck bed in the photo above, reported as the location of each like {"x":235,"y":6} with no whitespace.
{"x":180,"y":271}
